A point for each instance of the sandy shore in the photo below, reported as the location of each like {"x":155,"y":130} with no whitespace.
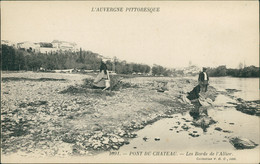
{"x":55,"y":114}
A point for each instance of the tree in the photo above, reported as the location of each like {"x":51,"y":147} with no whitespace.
{"x":158,"y":70}
{"x":20,"y":61}
{"x":8,"y":57}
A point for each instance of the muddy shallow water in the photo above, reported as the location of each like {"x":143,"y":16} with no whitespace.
{"x":231,"y":121}
{"x":168,"y":135}
{"x":173,"y":137}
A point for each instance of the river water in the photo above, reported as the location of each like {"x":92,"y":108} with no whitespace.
{"x":168,"y":135}
{"x":248,"y":87}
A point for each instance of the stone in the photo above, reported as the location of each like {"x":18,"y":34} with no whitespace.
{"x":257,"y":113}
{"x":145,"y":138}
{"x":121,"y":140}
{"x":95,"y":146}
{"x":96,"y":115}
{"x":204,"y":122}
{"x":218,"y":129}
{"x":242,"y":143}
{"x":247,"y":108}
{"x":132,"y":135}
{"x":96,"y":128}
{"x":157,"y":138}
{"x":121,"y":133}
{"x":142,"y":126}
{"x":113,"y":139}
{"x":185,"y":127}
{"x":194,"y":135}
{"x":115,"y":147}
{"x":100,"y":134}
{"x":106,"y":140}
{"x":227,"y":131}
{"x":51,"y":109}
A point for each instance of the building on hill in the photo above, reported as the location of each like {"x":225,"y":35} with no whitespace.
{"x":42,"y":47}
{"x":45,"y":44}
{"x":9,"y":43}
{"x":45,"y":47}
{"x":64,"y":46}
{"x":191,"y":70}
{"x":28,"y":46}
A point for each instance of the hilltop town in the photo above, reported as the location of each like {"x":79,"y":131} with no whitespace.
{"x":80,"y":57}
{"x":44,"y":47}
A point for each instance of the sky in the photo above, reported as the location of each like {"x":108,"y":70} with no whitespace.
{"x":205,"y":33}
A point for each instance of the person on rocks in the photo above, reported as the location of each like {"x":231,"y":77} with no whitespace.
{"x":194,"y":94}
{"x":203,"y":80}
{"x":103,"y":79}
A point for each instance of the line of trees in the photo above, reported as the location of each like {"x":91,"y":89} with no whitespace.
{"x":122,"y":67}
{"x":158,"y":70}
{"x":250,"y":71}
{"x":16,"y":59}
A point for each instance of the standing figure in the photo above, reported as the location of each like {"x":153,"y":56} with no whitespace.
{"x":203,"y":80}
{"x":103,"y":67}
{"x":102,"y":80}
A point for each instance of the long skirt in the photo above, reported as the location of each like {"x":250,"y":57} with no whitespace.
{"x":100,"y":80}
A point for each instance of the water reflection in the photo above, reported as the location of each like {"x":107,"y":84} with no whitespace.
{"x":200,"y":116}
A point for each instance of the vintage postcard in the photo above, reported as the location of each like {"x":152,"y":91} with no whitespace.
{"x":130,"y":82}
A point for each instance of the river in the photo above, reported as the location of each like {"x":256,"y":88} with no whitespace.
{"x":248,"y":87}
{"x":168,"y":135}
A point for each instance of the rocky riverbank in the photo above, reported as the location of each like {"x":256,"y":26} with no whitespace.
{"x":248,"y":107}
{"x":55,"y":114}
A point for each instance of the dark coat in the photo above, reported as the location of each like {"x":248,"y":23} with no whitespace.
{"x":103,"y":66}
{"x":194,"y":94}
{"x":201,"y":76}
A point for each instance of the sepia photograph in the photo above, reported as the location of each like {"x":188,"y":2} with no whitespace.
{"x":130,"y":82}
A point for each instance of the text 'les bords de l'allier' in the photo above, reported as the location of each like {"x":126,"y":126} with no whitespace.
{"x":127,"y":9}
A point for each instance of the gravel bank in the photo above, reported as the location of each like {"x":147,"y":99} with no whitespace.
{"x":55,"y":114}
